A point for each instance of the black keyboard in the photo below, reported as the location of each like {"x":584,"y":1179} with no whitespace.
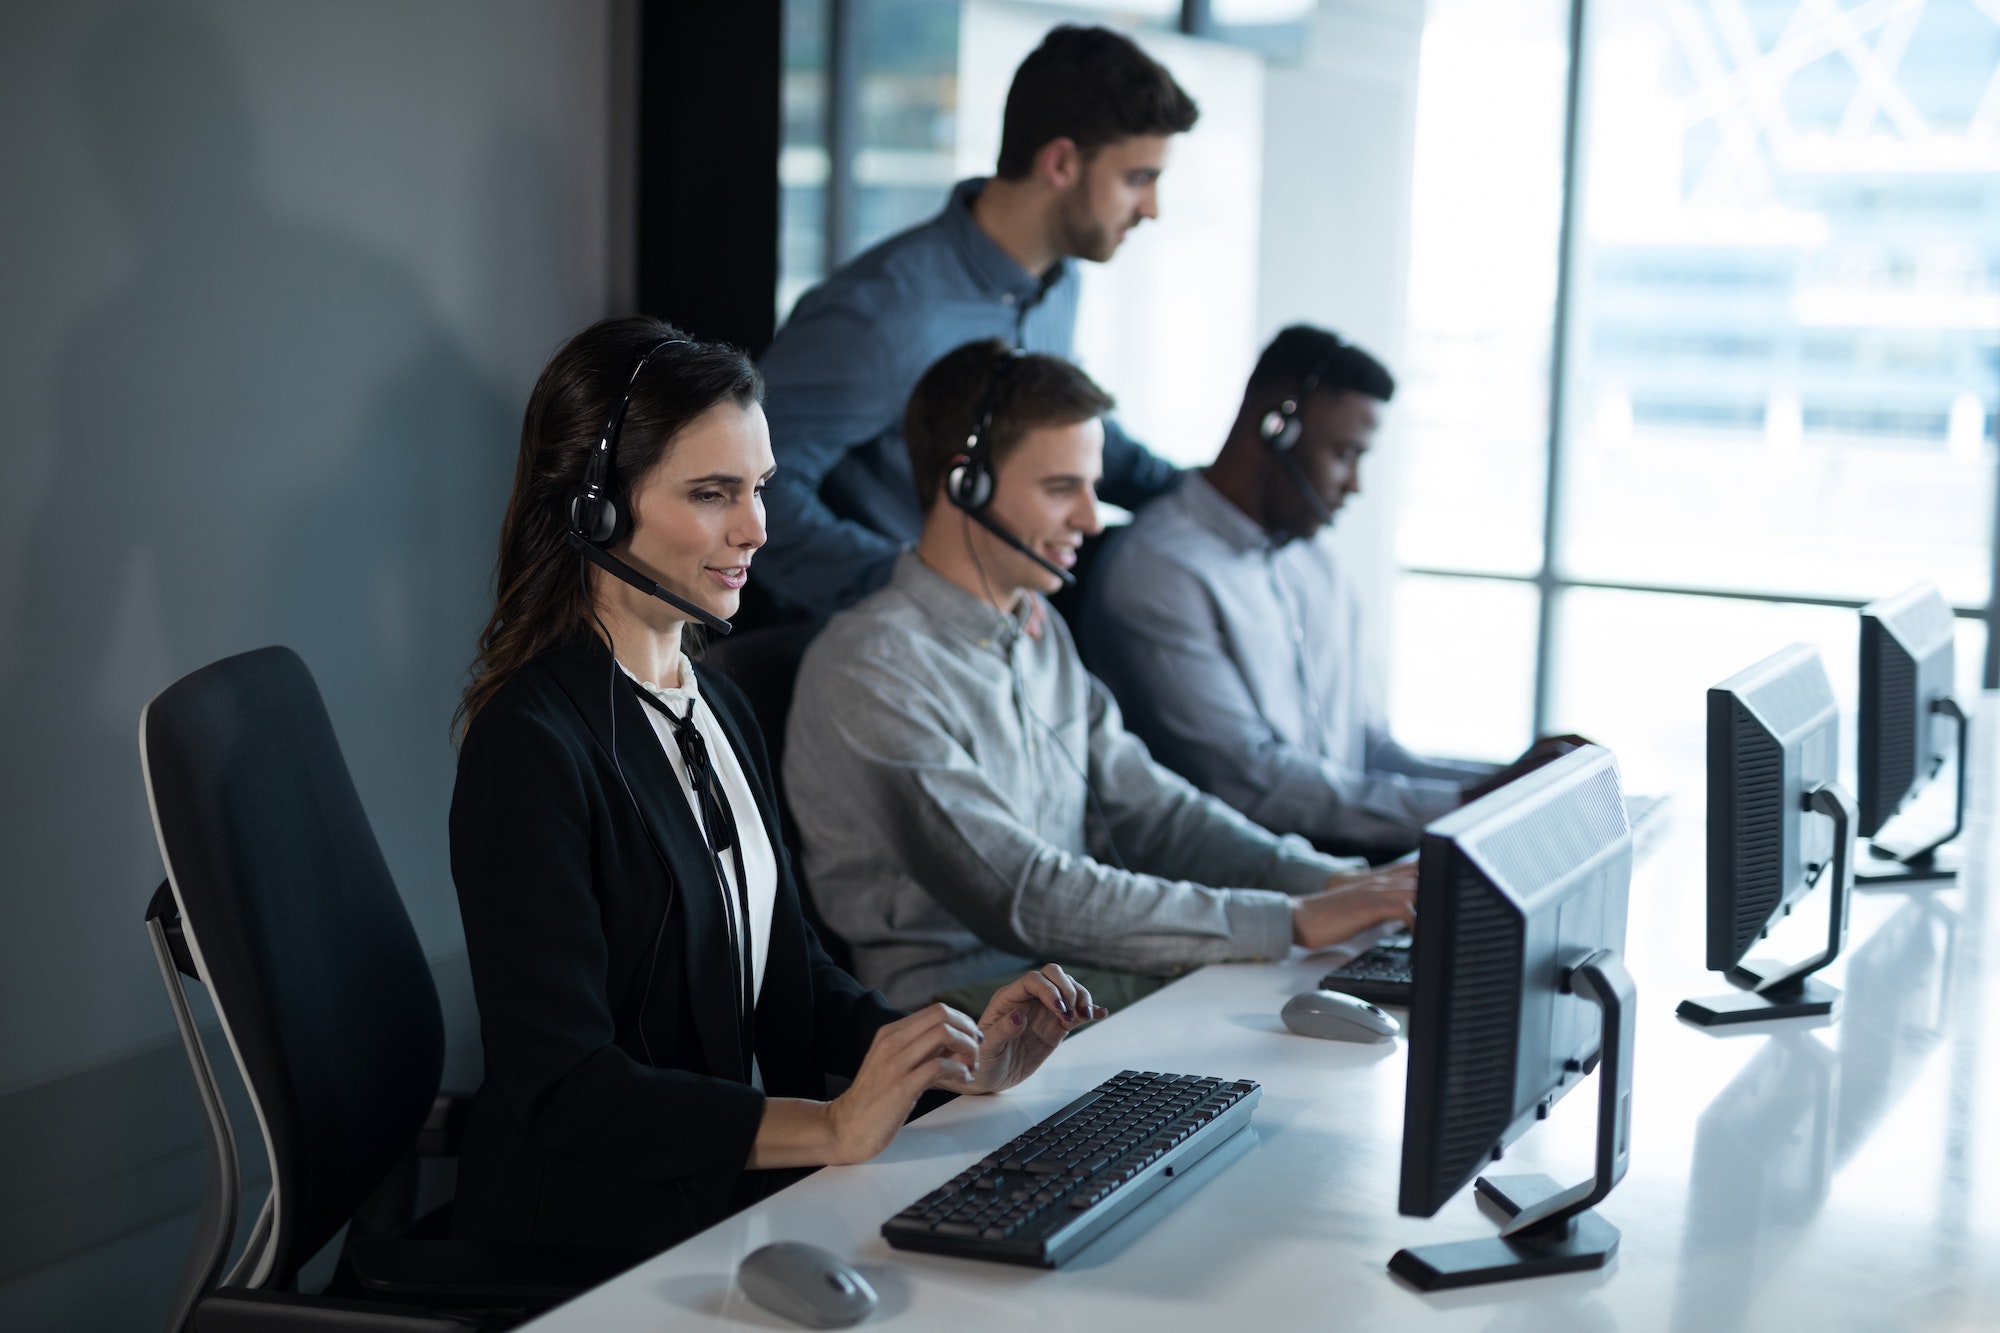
{"x":1050,"y":1192}
{"x":1380,"y":975}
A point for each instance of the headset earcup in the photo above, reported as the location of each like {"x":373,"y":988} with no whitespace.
{"x":599,"y":521}
{"x":1280,"y":429}
{"x":969,"y":486}
{"x":614,"y":521}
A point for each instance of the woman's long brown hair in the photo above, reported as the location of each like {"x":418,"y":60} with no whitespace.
{"x":541,"y":595}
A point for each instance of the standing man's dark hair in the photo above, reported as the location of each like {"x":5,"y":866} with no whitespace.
{"x":1091,"y":86}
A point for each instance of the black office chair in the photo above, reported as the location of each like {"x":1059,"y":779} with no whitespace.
{"x":764,"y":664}
{"x":278,"y":901}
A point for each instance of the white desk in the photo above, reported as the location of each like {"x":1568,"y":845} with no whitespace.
{"x":1830,"y":1178}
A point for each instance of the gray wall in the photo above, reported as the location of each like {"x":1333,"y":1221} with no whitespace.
{"x":275,"y":279}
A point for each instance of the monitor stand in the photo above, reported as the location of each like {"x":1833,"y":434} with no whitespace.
{"x":1888,"y":867}
{"x":1806,"y":998}
{"x":1791,"y":992}
{"x":1883,"y":868}
{"x":1552,"y":1229}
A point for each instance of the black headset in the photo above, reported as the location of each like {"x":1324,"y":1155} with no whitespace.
{"x":599,"y":518}
{"x":1281,"y":427}
{"x":969,"y":484}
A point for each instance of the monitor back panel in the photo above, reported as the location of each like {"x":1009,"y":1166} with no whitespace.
{"x":1906,"y":665}
{"x":1773,"y":737}
{"x":1513,"y":891}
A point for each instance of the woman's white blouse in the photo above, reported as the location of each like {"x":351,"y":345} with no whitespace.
{"x":760,"y":866}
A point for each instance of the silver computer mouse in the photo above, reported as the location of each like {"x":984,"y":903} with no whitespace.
{"x":1337,"y":1017}
{"x":806,"y":1285}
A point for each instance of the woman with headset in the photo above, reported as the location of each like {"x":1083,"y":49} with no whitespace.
{"x":658,"y":1017}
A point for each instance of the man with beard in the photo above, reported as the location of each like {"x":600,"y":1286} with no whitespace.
{"x":1085,"y":135}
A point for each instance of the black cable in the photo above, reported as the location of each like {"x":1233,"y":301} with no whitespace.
{"x":611,"y":703}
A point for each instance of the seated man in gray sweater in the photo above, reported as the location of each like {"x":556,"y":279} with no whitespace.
{"x":966,"y":793}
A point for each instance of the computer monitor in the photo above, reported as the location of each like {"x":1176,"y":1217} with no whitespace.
{"x":1777,"y":821}
{"x":1519,"y":993}
{"x":1909,"y":723}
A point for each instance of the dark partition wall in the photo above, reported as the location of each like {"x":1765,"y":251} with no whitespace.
{"x":708,"y":167}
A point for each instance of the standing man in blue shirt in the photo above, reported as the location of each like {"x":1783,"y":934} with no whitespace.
{"x":1084,"y":138}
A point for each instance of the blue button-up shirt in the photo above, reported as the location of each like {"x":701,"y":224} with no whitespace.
{"x":840,"y":373}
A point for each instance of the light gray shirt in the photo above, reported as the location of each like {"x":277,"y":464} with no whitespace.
{"x":936,"y":761}
{"x":1239,"y":659}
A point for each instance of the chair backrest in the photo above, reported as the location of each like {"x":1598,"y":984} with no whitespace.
{"x":764,"y":664}
{"x":298,"y":933}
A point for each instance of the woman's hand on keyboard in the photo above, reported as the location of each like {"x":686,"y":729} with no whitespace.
{"x":1025,"y":1021}
{"x":935,"y":1047}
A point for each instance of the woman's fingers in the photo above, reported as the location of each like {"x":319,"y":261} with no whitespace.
{"x":936,"y":1032}
{"x":1055,"y":989}
{"x":927,"y":1023}
{"x":1050,"y":988}
{"x":1081,"y":1006}
{"x":1085,"y":1006}
{"x":940,"y":1071}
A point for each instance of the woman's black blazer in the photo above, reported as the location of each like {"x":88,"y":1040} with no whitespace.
{"x":614,"y":1112}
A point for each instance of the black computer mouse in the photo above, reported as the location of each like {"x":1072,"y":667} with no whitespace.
{"x":806,"y":1284}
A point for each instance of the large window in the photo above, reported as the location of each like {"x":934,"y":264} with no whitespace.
{"x":1770,"y":397}
{"x":870,"y":102}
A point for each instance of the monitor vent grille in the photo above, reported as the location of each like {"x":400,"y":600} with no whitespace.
{"x":1485,"y":995}
{"x":1760,"y":826}
{"x":1894,"y":756}
{"x":1536,"y":850}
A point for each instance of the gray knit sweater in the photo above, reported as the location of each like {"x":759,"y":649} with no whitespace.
{"x":936,"y":761}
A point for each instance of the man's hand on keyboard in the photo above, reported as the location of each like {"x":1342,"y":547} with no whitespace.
{"x":1352,"y":903}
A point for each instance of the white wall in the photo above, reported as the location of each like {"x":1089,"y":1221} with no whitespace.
{"x":1339,"y":140}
